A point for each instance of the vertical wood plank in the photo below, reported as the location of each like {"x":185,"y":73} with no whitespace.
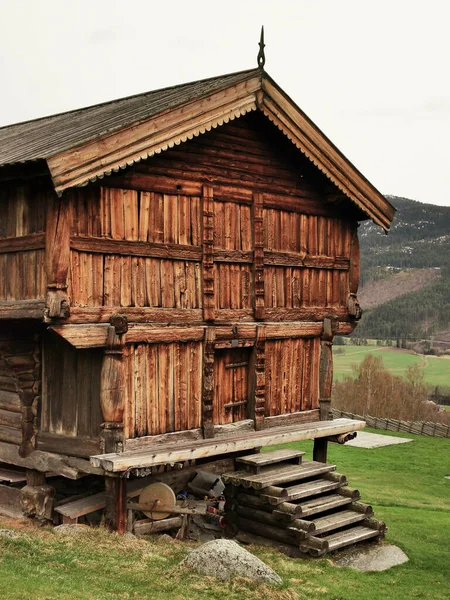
{"x":57,"y":239}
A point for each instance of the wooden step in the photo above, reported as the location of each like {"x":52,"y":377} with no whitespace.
{"x":256,"y":461}
{"x":322,"y":504}
{"x":337,"y":521}
{"x":271,"y":475}
{"x":349,"y":536}
{"x":303,"y":490}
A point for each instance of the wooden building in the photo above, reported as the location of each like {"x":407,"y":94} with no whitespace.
{"x":173,"y":268}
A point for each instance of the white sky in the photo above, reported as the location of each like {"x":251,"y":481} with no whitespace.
{"x":374,"y":76}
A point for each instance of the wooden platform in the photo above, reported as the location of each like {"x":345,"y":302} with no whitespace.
{"x":171,"y":453}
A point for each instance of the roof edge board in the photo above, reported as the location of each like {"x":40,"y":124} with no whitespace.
{"x":76,"y":167}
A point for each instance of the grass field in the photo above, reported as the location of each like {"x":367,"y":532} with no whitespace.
{"x":404,"y":483}
{"x":436,"y":370}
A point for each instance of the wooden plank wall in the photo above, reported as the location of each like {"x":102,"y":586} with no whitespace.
{"x":291,"y":375}
{"x":153,"y":258}
{"x":164,"y":388}
{"x":70,"y":390}
{"x":323,"y":243}
{"x":22,"y":242}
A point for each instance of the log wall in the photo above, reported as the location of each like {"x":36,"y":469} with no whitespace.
{"x":20,"y":385}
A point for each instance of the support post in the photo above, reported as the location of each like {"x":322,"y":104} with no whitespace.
{"x":326,"y":370}
{"x":116,"y":503}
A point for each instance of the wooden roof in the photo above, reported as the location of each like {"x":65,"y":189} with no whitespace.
{"x":83,"y":145}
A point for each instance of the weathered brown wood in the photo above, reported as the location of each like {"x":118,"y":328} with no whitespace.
{"x":136,"y":248}
{"x":10,"y":502}
{"x":302,"y":490}
{"x":274,"y":533}
{"x":269,"y":458}
{"x":147,"y":527}
{"x":326,"y":370}
{"x":10,"y":419}
{"x":112,"y":386}
{"x":35,"y":477}
{"x":116,"y":504}
{"x":307,"y":416}
{"x":137,"y":315}
{"x":63,"y":444}
{"x":335,"y":521}
{"x":277,"y":475}
{"x":208,"y":383}
{"x":69,"y":467}
{"x":307,"y":313}
{"x":253,"y":514}
{"x":205,"y":448}
{"x":349,"y":492}
{"x":23,"y":243}
{"x":59,"y":221}
{"x":209,"y":301}
{"x":23,"y":309}
{"x":258,"y":261}
{"x":11,"y":435}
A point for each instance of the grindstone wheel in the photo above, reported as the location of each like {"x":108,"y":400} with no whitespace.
{"x":161,"y":492}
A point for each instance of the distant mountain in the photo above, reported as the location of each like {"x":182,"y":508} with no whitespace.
{"x":405,"y":275}
{"x":419,"y":238}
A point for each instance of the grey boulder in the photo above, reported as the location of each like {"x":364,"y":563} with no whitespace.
{"x":225,"y":559}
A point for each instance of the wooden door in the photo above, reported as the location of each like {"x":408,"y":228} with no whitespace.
{"x":231,"y":385}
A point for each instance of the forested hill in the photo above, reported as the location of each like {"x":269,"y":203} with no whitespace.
{"x":405,"y":275}
{"x":419,"y":238}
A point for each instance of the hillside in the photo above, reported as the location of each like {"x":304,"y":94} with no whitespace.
{"x":405,"y":275}
{"x":419,"y":238}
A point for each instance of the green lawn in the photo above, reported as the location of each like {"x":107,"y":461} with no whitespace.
{"x":436,"y":370}
{"x":404,"y":483}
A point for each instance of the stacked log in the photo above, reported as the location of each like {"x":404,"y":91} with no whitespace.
{"x":315,"y":514}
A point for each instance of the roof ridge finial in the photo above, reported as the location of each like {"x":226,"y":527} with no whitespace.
{"x":261,"y":56}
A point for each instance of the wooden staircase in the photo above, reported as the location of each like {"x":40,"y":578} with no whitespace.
{"x":306,"y":504}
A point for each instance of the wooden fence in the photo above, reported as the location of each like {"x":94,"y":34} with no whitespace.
{"x":417,"y":427}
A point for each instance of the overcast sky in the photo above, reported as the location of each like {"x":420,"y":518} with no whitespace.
{"x":374,"y":76}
